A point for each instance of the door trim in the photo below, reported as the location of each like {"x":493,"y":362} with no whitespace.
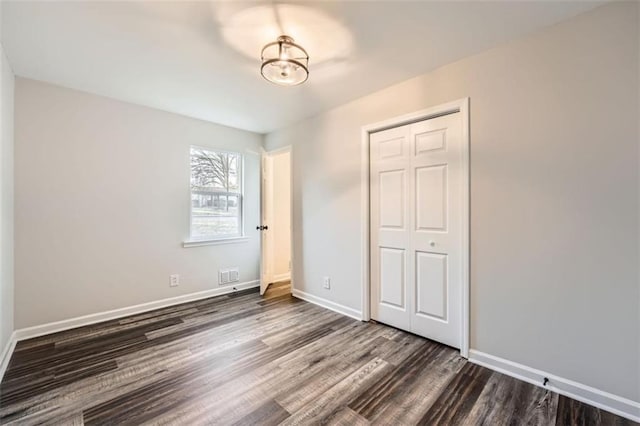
{"x":461,"y":106}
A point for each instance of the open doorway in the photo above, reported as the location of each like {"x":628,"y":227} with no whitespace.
{"x":276,"y":227}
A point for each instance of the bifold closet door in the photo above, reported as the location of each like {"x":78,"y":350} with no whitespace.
{"x":389,"y":217}
{"x":416,"y":234}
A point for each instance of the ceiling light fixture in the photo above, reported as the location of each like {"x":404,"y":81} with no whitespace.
{"x":284,"y":62}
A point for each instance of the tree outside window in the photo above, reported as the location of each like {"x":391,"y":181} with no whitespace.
{"x":216,"y":194}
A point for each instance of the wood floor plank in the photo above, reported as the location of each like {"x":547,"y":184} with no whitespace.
{"x":252,"y":385}
{"x":505,"y":400}
{"x":146,"y":402}
{"x":269,"y":413}
{"x":258,"y":381}
{"x":406,"y":392}
{"x":329,"y":402}
{"x":576,"y":413}
{"x":244,"y":359}
{"x":458,"y":398}
{"x":318,"y":373}
{"x":238,"y":389}
{"x":345,"y":416}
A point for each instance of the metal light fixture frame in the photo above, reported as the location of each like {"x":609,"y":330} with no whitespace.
{"x":302,"y":62}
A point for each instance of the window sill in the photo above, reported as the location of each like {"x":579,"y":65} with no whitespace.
{"x":198,"y":243}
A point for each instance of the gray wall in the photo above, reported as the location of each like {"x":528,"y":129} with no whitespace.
{"x":554,"y":195}
{"x":6,"y":200}
{"x":102,"y":204}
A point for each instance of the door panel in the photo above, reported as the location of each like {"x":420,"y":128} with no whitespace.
{"x":391,"y":148}
{"x":416,"y":227}
{"x":391,"y":195}
{"x":431,"y":285}
{"x":430,"y":141}
{"x":392,"y":282}
{"x":431,"y":198}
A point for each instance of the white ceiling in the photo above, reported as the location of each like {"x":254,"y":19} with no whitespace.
{"x":201,"y":59}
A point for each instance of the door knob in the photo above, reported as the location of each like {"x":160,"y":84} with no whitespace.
{"x":432,"y":243}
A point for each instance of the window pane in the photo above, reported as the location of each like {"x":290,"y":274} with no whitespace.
{"x":216,"y":201}
{"x":215,"y":170}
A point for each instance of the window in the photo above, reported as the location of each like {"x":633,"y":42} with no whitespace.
{"x":216,"y":194}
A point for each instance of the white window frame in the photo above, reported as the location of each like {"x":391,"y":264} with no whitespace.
{"x":223,"y":239}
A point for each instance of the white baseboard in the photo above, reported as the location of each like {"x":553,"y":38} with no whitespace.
{"x":336,"y":307}
{"x":6,"y":354}
{"x":282,"y":277}
{"x":578,"y":391}
{"x":54,"y":327}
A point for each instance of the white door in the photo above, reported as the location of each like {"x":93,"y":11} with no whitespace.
{"x":416,"y":184}
{"x":265,"y":213}
{"x":390,"y":245}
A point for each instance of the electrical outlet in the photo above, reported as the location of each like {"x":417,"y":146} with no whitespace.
{"x":226,"y":276}
{"x":223,"y":277}
{"x":327,"y":282}
{"x":174,"y":280}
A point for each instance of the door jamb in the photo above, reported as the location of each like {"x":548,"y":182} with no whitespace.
{"x":282,"y":150}
{"x":462,"y":106}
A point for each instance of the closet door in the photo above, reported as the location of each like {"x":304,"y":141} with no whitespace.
{"x":416,"y":232}
{"x":436,"y":231}
{"x":389,"y":234}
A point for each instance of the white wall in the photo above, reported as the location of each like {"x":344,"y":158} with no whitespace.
{"x":102,"y":204}
{"x":281,"y":213}
{"x":6,"y":200}
{"x":554,"y":195}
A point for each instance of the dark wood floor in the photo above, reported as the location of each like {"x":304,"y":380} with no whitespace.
{"x":242,"y":359}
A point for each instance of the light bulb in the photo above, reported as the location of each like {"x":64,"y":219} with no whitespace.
{"x":285,"y":53}
{"x":285,"y":70}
